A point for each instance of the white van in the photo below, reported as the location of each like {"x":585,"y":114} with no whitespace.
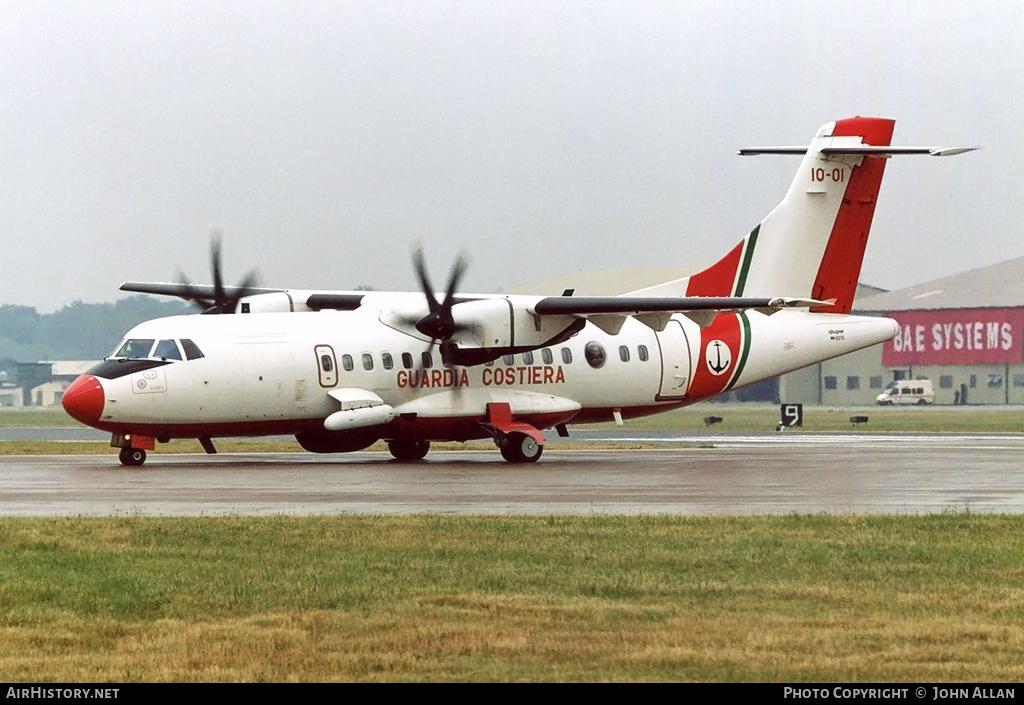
{"x":908,"y":391}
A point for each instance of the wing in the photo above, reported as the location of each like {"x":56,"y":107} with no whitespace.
{"x":609,"y":312}
{"x":259,"y":298}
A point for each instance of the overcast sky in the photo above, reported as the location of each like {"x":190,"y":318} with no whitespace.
{"x":542,"y":137}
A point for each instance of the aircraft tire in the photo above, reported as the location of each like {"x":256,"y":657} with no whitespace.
{"x":507,"y":452}
{"x":521,"y":448}
{"x":409,"y":450}
{"x":132,"y":457}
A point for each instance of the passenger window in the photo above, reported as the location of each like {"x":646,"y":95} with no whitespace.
{"x":386,"y":361}
{"x":547,"y":356}
{"x":428,"y":359}
{"x":642,"y":353}
{"x":566,"y":356}
{"x":528,"y":357}
{"x":167,"y":350}
{"x":346,"y":362}
{"x":624,"y":353}
{"x":509,"y":360}
{"x":367,"y":361}
{"x":192,"y":351}
{"x":326,"y":364}
{"x":407,"y":360}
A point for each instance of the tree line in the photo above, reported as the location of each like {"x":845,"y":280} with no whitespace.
{"x":79,"y":331}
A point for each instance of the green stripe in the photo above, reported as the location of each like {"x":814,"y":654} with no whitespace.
{"x":748,"y":255}
{"x":746,"y":352}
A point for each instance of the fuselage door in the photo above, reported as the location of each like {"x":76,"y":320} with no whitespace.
{"x":327,"y":366}
{"x":675,"y":362}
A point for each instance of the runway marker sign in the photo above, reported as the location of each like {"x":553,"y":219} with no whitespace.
{"x":792,"y":415}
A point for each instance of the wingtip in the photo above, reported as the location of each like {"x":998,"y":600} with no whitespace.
{"x":951,"y":151}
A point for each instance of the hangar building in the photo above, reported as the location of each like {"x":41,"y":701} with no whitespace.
{"x":964,"y":332}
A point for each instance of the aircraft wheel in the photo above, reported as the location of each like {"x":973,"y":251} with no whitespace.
{"x":507,"y":452}
{"x":132,"y":456}
{"x":409,"y":450}
{"x":521,"y":448}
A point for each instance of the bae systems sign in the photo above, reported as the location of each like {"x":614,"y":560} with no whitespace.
{"x":980,"y":336}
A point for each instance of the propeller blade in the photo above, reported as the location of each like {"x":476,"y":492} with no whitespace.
{"x":191,"y":294}
{"x":216,"y":236}
{"x":439,"y":323}
{"x":245,"y":288}
{"x":225,"y":299}
{"x":421,"y":273}
{"x":458,"y":269}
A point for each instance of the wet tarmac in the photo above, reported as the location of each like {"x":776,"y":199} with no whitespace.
{"x":768,"y":473}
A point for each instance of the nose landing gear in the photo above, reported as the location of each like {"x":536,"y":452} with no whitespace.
{"x":132,"y":457}
{"x":133,"y":447}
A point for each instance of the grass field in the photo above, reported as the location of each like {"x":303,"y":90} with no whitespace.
{"x":430,"y":598}
{"x":36,"y":418}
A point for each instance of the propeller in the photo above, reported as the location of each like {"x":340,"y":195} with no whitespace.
{"x":224,"y":299}
{"x":439,"y":323}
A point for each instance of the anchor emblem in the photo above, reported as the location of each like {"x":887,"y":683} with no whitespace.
{"x":718,"y":357}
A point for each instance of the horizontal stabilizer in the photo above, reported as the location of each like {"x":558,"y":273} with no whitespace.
{"x":861,"y":150}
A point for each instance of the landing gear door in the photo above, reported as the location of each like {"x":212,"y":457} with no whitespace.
{"x":675,"y":362}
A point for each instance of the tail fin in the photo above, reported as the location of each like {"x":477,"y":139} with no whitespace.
{"x":812,"y":244}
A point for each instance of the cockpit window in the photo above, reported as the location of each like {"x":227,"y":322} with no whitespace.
{"x":168,"y":350}
{"x":192,"y":351}
{"x":144,"y":348}
{"x":135,"y":348}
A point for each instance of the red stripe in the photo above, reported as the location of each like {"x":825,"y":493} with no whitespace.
{"x":726,"y":328}
{"x":718,"y":279}
{"x":844,"y":253}
{"x":456,"y":428}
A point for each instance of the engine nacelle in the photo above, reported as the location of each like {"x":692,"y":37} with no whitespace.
{"x":276,"y":302}
{"x":505,"y":323}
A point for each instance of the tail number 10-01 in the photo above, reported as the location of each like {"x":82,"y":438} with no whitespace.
{"x":837,"y":175}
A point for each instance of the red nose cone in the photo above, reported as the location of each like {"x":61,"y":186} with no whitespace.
{"x":84,"y":399}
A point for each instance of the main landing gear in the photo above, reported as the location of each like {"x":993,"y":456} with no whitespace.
{"x":518,"y":442}
{"x":517,"y":447}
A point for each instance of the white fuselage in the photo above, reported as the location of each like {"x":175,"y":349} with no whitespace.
{"x":265,"y":373}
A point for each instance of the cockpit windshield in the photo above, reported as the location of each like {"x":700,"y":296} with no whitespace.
{"x":135,"y":348}
{"x":151,"y":349}
{"x":167,"y":350}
